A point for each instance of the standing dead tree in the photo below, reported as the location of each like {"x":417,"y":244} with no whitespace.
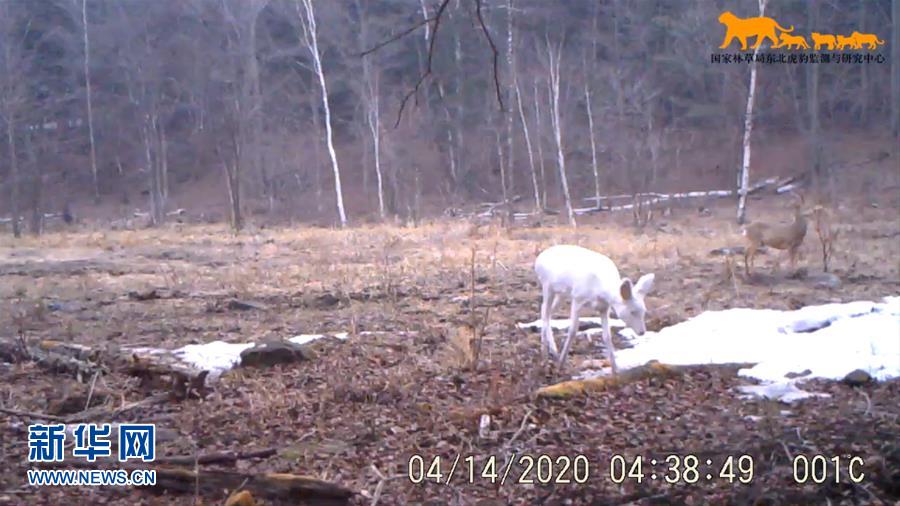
{"x":744,"y":174}
{"x":554,"y":61}
{"x":310,"y":38}
{"x":90,"y":109}
{"x":371,"y":95}
{"x":534,"y":177}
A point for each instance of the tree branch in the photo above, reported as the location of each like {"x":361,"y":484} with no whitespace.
{"x":493,"y":49}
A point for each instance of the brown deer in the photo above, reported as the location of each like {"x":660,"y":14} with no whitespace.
{"x":778,"y":236}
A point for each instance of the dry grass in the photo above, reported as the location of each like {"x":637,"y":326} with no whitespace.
{"x":435,"y":314}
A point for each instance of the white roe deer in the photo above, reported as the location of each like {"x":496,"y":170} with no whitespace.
{"x":587,"y":277}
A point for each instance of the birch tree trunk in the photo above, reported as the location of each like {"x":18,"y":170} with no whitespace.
{"x":90,"y":110}
{"x":308,"y":24}
{"x":748,"y":128}
{"x":557,"y":129}
{"x":590,"y":115}
{"x":534,"y":177}
{"x":371,"y":94}
{"x":374,"y":121}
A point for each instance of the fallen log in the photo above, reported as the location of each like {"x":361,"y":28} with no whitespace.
{"x":276,"y":486}
{"x":141,"y":214}
{"x":655,"y":198}
{"x":52,"y":355}
{"x":652,"y":369}
{"x":47,"y":216}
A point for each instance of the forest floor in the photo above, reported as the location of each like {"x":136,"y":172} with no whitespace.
{"x":361,"y":408}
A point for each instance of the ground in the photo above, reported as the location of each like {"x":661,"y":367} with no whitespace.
{"x":361,"y":408}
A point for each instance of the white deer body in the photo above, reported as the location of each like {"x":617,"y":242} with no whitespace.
{"x":587,"y":278}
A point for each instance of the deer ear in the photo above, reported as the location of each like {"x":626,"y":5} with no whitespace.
{"x":645,"y":284}
{"x":625,"y":289}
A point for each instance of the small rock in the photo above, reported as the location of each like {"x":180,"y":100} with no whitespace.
{"x":243,"y":305}
{"x":857,"y":378}
{"x":271,"y":353}
{"x":145,"y":295}
{"x":484,"y":425}
{"x":793,"y":375}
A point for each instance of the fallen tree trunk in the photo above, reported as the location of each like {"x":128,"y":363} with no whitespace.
{"x":46,"y":217}
{"x":655,"y":198}
{"x":652,"y":369}
{"x":52,"y":355}
{"x":577,"y":387}
{"x":281,"y":486}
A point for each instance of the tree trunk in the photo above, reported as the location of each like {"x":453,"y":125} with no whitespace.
{"x":557,"y":128}
{"x":375,"y":127}
{"x":163,"y":162}
{"x":814,"y":142}
{"x":748,"y":127}
{"x":540,"y":145}
{"x":534,"y":177}
{"x":459,"y":124}
{"x":510,"y":65}
{"x":156,"y":212}
{"x":90,"y":110}
{"x":895,"y":75}
{"x":313,"y":45}
{"x":317,"y":152}
{"x":13,"y":171}
{"x":255,"y":115}
{"x":37,"y":180}
{"x":233,"y":173}
{"x":590,"y":115}
{"x":502,"y":166}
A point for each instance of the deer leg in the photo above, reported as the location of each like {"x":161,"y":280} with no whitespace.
{"x":573,"y":328}
{"x":546,"y":331}
{"x":607,"y":340}
{"x":749,"y":253}
{"x":551,"y":341}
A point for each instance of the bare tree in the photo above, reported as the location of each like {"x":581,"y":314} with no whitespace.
{"x":590,"y":115}
{"x":554,"y":61}
{"x":310,"y":38}
{"x":534,"y":177}
{"x":510,"y":65}
{"x":540,"y":144}
{"x":90,"y":109}
{"x":373,"y":111}
{"x":744,"y":174}
{"x":895,"y":73}
{"x":12,"y":89}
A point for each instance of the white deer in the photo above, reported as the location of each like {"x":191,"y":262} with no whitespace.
{"x":587,"y":277}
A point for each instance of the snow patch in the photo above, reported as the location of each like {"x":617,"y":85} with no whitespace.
{"x":308,"y":338}
{"x":828,"y":340}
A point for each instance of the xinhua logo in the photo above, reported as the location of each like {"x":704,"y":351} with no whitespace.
{"x":766,"y":28}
